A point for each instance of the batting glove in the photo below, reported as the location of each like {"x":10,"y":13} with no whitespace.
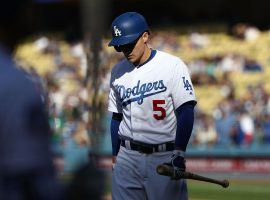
{"x":178,"y":161}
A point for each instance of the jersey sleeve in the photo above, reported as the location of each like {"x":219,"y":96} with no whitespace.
{"x":182,"y":88}
{"x":114,"y":104}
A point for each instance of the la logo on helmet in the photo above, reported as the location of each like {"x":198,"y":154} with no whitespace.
{"x":117,"y":32}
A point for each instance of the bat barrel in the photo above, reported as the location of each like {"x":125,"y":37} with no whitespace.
{"x":225,"y":183}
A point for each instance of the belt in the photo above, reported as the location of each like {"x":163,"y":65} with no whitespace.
{"x":147,"y":148}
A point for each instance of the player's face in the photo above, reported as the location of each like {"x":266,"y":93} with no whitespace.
{"x":134,"y":51}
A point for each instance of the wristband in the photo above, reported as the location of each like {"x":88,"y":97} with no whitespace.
{"x":179,"y":152}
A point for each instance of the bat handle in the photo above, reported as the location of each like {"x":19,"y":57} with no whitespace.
{"x":164,"y":170}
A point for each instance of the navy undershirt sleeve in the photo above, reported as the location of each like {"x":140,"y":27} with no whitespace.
{"x":185,"y":120}
{"x":115,"y":122}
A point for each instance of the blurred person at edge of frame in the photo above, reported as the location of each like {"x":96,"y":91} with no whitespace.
{"x":26,"y":169}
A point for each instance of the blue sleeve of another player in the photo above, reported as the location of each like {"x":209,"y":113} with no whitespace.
{"x":115,"y":122}
{"x":185,"y":120}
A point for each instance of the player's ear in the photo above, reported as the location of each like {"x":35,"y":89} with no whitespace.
{"x":145,"y":37}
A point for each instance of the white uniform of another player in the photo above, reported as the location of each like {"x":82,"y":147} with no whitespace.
{"x":147,"y":96}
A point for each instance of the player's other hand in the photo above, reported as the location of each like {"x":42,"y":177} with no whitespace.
{"x":113,"y":161}
{"x":178,"y":161}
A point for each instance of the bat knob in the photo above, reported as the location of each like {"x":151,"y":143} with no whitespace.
{"x":225,"y":183}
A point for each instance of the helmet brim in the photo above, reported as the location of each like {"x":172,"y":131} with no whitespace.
{"x":122,"y":40}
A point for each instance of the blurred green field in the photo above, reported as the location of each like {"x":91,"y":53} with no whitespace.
{"x":238,"y":190}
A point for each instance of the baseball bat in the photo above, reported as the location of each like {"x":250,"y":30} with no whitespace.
{"x":169,"y":171}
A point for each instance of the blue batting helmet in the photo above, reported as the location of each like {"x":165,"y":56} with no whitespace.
{"x":127,"y":27}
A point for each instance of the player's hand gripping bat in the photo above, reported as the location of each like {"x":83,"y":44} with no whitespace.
{"x":167,"y":170}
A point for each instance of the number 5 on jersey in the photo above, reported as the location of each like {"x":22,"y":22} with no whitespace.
{"x":157,"y":106}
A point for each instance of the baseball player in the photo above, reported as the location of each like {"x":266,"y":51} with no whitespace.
{"x":152,"y":100}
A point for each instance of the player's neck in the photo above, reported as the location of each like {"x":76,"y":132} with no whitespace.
{"x":145,"y":55}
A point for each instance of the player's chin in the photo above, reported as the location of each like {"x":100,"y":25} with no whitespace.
{"x":131,"y":59}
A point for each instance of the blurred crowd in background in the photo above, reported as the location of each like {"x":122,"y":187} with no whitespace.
{"x":229,"y":71}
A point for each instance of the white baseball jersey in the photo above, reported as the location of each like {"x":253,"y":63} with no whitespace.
{"x":148,"y":95}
